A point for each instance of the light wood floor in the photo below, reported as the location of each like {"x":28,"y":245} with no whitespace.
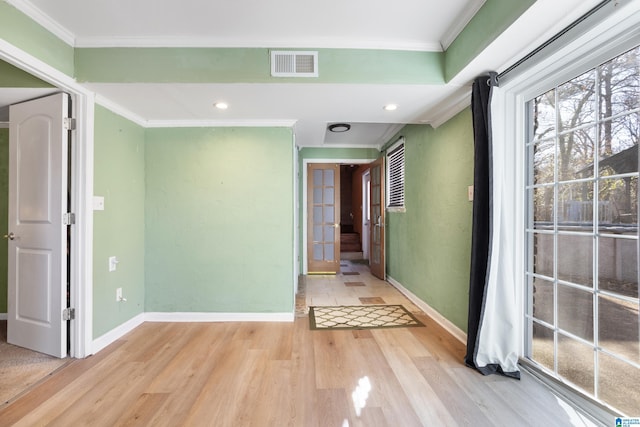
{"x":283,"y":374}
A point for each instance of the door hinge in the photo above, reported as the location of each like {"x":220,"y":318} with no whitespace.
{"x":69,"y":313}
{"x":69,"y":123}
{"x":68,"y":218}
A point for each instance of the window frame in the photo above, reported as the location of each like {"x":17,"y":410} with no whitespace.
{"x":400,"y":144}
{"x":601,"y":38}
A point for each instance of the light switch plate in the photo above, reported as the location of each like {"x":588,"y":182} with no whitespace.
{"x":113,"y":263}
{"x":470,"y":193}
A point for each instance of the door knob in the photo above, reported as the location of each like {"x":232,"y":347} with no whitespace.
{"x":10,"y":236}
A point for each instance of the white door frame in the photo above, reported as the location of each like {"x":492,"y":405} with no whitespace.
{"x":303,"y":225}
{"x":81,"y":274}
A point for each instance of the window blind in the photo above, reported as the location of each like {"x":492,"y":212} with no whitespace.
{"x":395,"y":162}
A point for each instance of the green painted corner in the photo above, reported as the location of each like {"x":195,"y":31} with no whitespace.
{"x":11,"y":76}
{"x":4,"y":215}
{"x":429,"y":245}
{"x":219,"y":220}
{"x":493,"y":18}
{"x":252,"y":65}
{"x":24,"y":33}
{"x":118,"y":230}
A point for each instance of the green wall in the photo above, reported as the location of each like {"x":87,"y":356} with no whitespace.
{"x":119,"y":229}
{"x":4,"y":215}
{"x":428,"y":246}
{"x":219,"y":220}
{"x":11,"y":76}
{"x":493,"y":18}
{"x":24,"y":33}
{"x":252,"y":65}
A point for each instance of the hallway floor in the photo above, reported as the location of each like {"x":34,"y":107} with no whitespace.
{"x":284,"y":374}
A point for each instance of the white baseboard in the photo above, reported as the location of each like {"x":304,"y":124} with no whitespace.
{"x":218,"y":317}
{"x":458,"y":333}
{"x":116,"y":333}
{"x":4,"y":316}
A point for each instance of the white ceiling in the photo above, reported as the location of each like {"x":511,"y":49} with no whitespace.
{"x":425,"y":25}
{"x":401,"y":24}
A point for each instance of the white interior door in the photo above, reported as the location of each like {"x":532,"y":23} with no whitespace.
{"x":38,"y":183}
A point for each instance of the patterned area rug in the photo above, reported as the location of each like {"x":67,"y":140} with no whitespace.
{"x":361,"y":317}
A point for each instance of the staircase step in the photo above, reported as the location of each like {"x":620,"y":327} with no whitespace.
{"x":350,"y":242}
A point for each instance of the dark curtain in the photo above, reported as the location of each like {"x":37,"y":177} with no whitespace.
{"x":481,"y":226}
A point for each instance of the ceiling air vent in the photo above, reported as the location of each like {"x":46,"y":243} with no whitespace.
{"x":287,"y":63}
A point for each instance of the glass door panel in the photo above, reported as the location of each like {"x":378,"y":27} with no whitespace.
{"x":323,"y":231}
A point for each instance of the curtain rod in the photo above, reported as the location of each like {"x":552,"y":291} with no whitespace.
{"x":544,"y":45}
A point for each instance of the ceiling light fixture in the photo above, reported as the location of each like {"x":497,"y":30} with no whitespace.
{"x":339,"y":127}
{"x":390,"y":107}
{"x":221,"y":105}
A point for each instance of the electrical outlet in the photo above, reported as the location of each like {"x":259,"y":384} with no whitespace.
{"x":119,"y":294}
{"x":98,"y":203}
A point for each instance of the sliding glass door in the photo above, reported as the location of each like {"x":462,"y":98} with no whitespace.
{"x":582,"y":232}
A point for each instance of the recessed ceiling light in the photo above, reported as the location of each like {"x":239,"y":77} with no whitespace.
{"x":390,"y":107}
{"x":339,"y":127}
{"x":221,"y":105}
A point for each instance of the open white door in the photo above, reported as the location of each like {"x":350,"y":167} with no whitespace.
{"x":38,"y":186}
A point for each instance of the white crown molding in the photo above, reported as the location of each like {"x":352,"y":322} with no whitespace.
{"x":326,"y":43}
{"x":116,"y":333}
{"x":457,"y":333}
{"x":120,"y":110}
{"x":127,"y":114}
{"x":218,"y":123}
{"x":44,"y":20}
{"x":450,"y":107}
{"x":218,"y":317}
{"x":461,"y":22}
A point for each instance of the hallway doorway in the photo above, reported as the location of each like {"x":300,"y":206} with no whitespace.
{"x":337,"y":230}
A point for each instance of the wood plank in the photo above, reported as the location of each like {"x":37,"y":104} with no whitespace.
{"x":145,"y":407}
{"x":268,"y":336}
{"x":274,"y":392}
{"x":424,"y":400}
{"x":230,"y":374}
{"x":303,"y":377}
{"x":231,"y":385}
{"x":386,"y":391}
{"x":485,"y":398}
{"x":26,"y":404}
{"x":465,"y":411}
{"x":127,"y":380}
{"x":334,"y":407}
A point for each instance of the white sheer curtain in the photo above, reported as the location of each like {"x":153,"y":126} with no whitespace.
{"x":499,"y":332}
